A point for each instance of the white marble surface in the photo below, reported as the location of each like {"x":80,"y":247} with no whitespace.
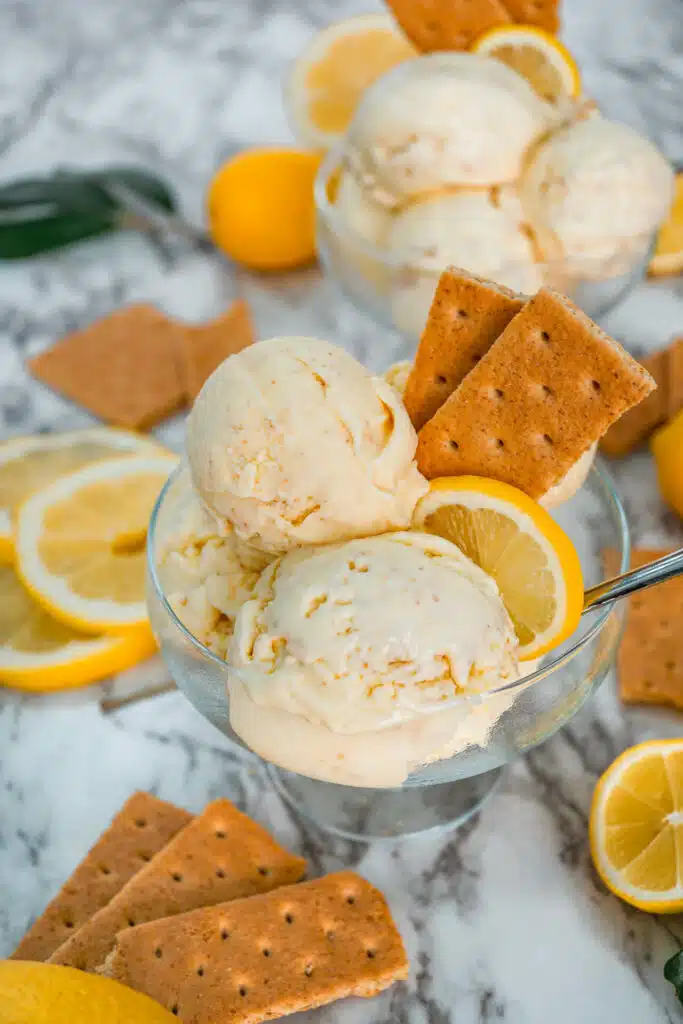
{"x":505,"y":920}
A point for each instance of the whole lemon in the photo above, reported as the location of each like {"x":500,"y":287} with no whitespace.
{"x":261,"y":209}
{"x":667,"y":448}
{"x":48,"y":994}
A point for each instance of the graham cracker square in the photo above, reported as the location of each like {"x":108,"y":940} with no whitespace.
{"x":447,"y":24}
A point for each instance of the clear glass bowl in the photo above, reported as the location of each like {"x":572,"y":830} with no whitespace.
{"x":527,"y":712}
{"x":396,"y":289}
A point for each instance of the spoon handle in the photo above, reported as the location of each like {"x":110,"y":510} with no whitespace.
{"x":650,"y":575}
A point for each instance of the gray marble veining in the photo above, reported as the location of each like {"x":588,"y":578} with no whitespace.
{"x":505,"y":919}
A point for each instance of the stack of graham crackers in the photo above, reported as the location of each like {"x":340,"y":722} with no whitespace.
{"x":455,"y":24}
{"x":208,"y":916}
{"x":137,"y":366}
{"x":512,"y":388}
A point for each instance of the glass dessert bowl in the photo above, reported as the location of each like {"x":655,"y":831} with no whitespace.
{"x":395,"y":286}
{"x":490,"y":729}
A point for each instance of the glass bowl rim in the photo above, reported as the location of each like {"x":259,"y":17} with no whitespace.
{"x":401,"y":258}
{"x":524,"y":682}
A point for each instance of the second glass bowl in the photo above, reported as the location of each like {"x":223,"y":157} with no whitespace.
{"x":396,"y":288}
{"x":526,"y":712}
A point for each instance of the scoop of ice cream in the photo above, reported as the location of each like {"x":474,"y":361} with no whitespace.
{"x":359,"y":214}
{"x":572,"y":481}
{"x":294,"y":442}
{"x":397,"y":375}
{"x":372,"y":633}
{"x":595,"y":192}
{"x":443,"y":119}
{"x":205,"y":577}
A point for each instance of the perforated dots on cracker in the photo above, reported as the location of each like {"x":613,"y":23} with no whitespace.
{"x":251,"y":960}
{"x":548,"y":388}
{"x":447,"y":24}
{"x":221,"y":855}
{"x":466,"y":316}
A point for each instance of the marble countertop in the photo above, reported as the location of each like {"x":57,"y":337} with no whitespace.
{"x":504,"y":919}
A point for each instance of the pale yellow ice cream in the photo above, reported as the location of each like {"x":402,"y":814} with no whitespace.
{"x":359,"y":215}
{"x":596,"y":191}
{"x":363,"y":637}
{"x":440,"y":120}
{"x":483,"y":230}
{"x":293,"y":442}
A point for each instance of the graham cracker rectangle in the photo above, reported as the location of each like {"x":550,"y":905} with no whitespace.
{"x":123,"y":368}
{"x":220,"y":855}
{"x":466,"y":316}
{"x":635,"y":426}
{"x":142,"y":827}
{"x":251,"y":960}
{"x":650,"y":661}
{"x":203,"y":348}
{"x":546,"y":390}
{"x":542,"y":13}
{"x":674,"y":399}
{"x":447,"y":24}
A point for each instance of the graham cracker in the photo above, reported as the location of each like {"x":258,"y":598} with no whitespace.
{"x":674,"y":402}
{"x":202,"y":349}
{"x":635,"y":426}
{"x":123,"y":368}
{"x":142,"y":827}
{"x":650,"y":662}
{"x":548,"y":388}
{"x":543,"y":13}
{"x":466,"y":316}
{"x":251,"y":960}
{"x":447,"y":24}
{"x":220,"y":855}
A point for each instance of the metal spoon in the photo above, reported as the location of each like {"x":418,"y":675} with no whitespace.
{"x":659,"y":571}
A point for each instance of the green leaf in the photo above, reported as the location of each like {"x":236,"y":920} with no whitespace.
{"x":38,"y":215}
{"x":673,"y":972}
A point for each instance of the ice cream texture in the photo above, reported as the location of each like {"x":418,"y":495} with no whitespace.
{"x":293,"y":442}
{"x":596,"y":191}
{"x":372,"y":633}
{"x":440,"y":120}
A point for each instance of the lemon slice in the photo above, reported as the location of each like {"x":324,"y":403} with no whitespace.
{"x":636,"y":826}
{"x":668,"y":254}
{"x":517,"y":542}
{"x":535,"y":54}
{"x":49,"y":994}
{"x":39,"y":653}
{"x":330,"y":76}
{"x":27,"y":463}
{"x":81,"y":542}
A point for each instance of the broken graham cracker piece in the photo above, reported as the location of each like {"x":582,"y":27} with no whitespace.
{"x":202,"y":349}
{"x":123,"y":368}
{"x":466,"y":316}
{"x":447,"y":24}
{"x":547,"y":389}
{"x":251,"y":960}
{"x":221,"y":855}
{"x":143,"y":826}
{"x":650,"y":660}
{"x":636,"y":425}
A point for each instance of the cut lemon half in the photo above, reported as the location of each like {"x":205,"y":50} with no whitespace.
{"x":636,"y":826}
{"x":668,"y":254}
{"x":80,"y":542}
{"x":28,"y":463}
{"x":536,"y":55}
{"x":330,"y":76}
{"x":39,"y":653}
{"x":519,"y":544}
{"x":667,"y":447}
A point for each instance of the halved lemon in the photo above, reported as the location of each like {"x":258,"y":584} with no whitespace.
{"x":535,"y":54}
{"x":667,"y":448}
{"x":39,"y":653}
{"x":81,"y":542}
{"x":520,"y":545}
{"x":636,"y":826}
{"x":330,"y":76}
{"x":668,"y":254}
{"x":27,"y":463}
